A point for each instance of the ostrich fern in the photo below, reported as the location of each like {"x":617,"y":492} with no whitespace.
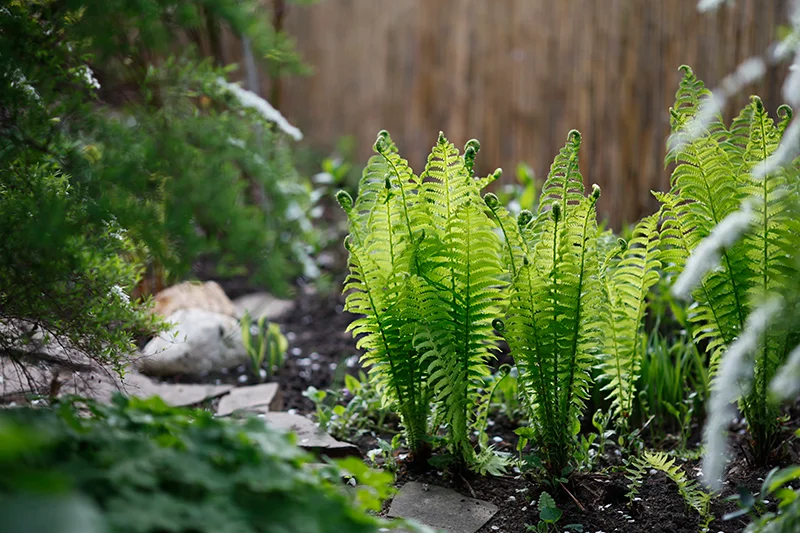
{"x":717,"y":211}
{"x":425,"y":268}
{"x":554,"y":324}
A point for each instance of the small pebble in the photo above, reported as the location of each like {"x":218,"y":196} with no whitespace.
{"x":305,"y":361}
{"x":296,"y":351}
{"x":351,"y":361}
{"x":495,"y":528}
{"x":332,"y":366}
{"x":292,"y":411}
{"x":242,"y":378}
{"x":223,"y":371}
{"x":291,"y":336}
{"x":315,"y":367}
{"x":262,"y":373}
{"x":240,"y":369}
{"x":512,"y":498}
{"x":217,"y":382}
{"x":314,"y":355}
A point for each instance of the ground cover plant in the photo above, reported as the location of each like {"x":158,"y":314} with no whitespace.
{"x":186,"y":469}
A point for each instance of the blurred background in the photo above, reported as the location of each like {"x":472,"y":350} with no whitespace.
{"x":517,"y":75}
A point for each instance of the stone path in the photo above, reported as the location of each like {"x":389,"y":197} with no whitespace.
{"x":441,"y":508}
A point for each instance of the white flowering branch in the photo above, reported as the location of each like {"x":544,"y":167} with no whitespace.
{"x":706,"y":256}
{"x":734,"y":379}
{"x":253,"y":101}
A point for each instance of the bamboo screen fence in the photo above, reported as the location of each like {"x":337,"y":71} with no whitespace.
{"x":518,"y":75}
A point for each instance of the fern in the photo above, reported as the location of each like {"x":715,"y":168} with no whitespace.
{"x":553,"y":326}
{"x":425,"y":269}
{"x":691,"y":492}
{"x":627,"y":275}
{"x":713,"y":179}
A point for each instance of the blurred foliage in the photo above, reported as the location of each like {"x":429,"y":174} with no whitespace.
{"x":139,"y":466}
{"x":122,"y":149}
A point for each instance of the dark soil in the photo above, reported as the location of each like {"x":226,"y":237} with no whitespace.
{"x":321,"y":352}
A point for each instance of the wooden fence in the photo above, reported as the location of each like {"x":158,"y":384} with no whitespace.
{"x":518,"y":75}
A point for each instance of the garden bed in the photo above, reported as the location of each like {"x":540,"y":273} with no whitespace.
{"x":320,"y":353}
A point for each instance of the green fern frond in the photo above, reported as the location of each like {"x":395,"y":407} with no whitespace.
{"x":626,"y":286}
{"x":447,"y":184}
{"x":564,"y":182}
{"x":381,"y":329}
{"x":691,"y":492}
{"x":461,"y":338}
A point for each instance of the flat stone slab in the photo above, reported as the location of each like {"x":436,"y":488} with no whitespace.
{"x":253,"y":398}
{"x":101,"y":387}
{"x":309,"y":436}
{"x":262,"y":304}
{"x":441,"y":508}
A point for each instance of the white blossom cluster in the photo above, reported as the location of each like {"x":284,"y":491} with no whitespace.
{"x":253,"y":101}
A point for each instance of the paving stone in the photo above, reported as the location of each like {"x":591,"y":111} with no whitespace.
{"x":262,"y":304}
{"x":253,"y":398}
{"x":101,"y":387}
{"x":309,"y":436}
{"x":441,"y":508}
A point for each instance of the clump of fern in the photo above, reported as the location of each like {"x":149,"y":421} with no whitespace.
{"x":424,"y":279}
{"x":554,"y":324}
{"x":731,"y":234}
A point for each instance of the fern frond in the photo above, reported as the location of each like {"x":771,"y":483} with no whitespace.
{"x":691,"y":492}
{"x":458,"y":342}
{"x":447,"y":184}
{"x":626,"y":286}
{"x":383,"y":322}
{"x":564,"y":182}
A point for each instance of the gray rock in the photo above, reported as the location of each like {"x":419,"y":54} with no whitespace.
{"x":309,"y":436}
{"x":262,"y":304}
{"x":199,"y":341}
{"x":102,"y":386}
{"x":441,"y":508}
{"x":260,"y":398}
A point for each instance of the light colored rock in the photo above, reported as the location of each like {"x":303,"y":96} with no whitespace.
{"x":260,"y":398}
{"x":262,"y":304}
{"x":309,"y":436}
{"x":18,"y":380}
{"x":208,"y":296}
{"x":441,"y":508}
{"x":102,"y":386}
{"x":199,"y":341}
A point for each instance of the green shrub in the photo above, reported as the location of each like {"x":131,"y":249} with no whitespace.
{"x":162,"y":164}
{"x":142,"y":467}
